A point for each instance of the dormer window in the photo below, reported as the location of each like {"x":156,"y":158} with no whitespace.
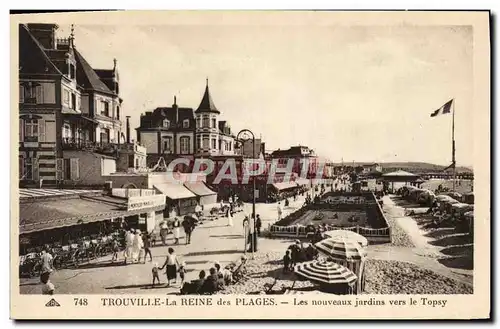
{"x":185,"y":123}
{"x":166,"y":124}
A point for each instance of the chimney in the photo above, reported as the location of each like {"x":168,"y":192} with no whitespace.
{"x":128,"y":129}
{"x":45,"y":34}
{"x":176,"y":111}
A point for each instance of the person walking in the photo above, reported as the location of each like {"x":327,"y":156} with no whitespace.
{"x":258,"y":224}
{"x":229,"y":215}
{"x":146,"y":240}
{"x":280,"y":211}
{"x":129,"y":241}
{"x":171,"y":263}
{"x":177,"y":230}
{"x":46,"y":262}
{"x":137,"y":246}
{"x":188,"y":229}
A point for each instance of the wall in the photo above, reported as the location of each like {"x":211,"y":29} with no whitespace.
{"x":108,"y":166}
{"x":150,"y":141}
{"x":122,"y":180}
{"x":90,"y":166}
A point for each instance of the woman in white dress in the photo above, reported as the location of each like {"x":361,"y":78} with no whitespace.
{"x":129,"y":241}
{"x":229,"y":217}
{"x":177,"y":229}
{"x":137,"y":246}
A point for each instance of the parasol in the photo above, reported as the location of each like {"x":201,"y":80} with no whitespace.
{"x":349,"y":235}
{"x":325,"y":271}
{"x":341,"y":249}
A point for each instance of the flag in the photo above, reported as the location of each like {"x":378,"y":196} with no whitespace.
{"x":446,"y":108}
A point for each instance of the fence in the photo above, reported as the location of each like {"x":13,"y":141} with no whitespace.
{"x":378,"y":235}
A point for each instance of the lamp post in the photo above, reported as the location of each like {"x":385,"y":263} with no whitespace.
{"x":243,"y":136}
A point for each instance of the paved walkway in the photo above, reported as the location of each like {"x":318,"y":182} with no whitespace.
{"x":212,"y":241}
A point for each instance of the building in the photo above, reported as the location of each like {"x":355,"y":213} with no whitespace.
{"x":68,"y":112}
{"x":305,"y":162}
{"x":213,"y":136}
{"x":61,"y":217}
{"x":167,"y":132}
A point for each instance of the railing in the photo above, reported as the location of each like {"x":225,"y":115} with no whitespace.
{"x":79,"y":144}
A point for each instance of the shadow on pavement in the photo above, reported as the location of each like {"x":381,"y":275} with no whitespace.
{"x":458,"y":250}
{"x":453,"y":240}
{"x":215,"y":252}
{"x":101,"y":264}
{"x":439,"y":233}
{"x":463,"y":262}
{"x":194,"y":262}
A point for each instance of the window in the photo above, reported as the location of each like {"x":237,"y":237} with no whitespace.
{"x":185,"y":123}
{"x":214,"y":123}
{"x":167,"y":145}
{"x":66,"y":97}
{"x":105,"y":108}
{"x":21,"y":93}
{"x":198,"y":142}
{"x":104,"y":135}
{"x":230,"y":146}
{"x":31,"y":130}
{"x":185,"y":141}
{"x":166,"y":124}
{"x":71,"y":169}
{"x":198,"y":122}
{"x":137,"y":163}
{"x":214,"y":143}
{"x":71,"y":71}
{"x":206,"y":122}
{"x":73,"y":101}
{"x":130,"y":161}
{"x":205,"y":142}
{"x":118,"y":112}
{"x":30,"y":92}
{"x":28,"y":168}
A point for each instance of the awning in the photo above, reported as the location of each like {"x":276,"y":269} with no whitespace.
{"x":199,"y":188}
{"x":175,"y":191}
{"x":284,"y":185}
{"x":47,"y":215}
{"x":302,"y":182}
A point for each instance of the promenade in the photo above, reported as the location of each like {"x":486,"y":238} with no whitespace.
{"x":212,"y":241}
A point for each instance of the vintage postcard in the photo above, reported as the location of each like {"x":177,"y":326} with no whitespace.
{"x":250,"y":165}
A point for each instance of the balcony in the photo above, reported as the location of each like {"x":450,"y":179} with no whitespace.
{"x":78,"y":144}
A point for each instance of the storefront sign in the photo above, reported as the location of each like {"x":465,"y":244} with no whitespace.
{"x":144,"y":202}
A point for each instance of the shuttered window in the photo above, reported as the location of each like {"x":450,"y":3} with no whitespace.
{"x":59,"y":169}
{"x":21,"y":93}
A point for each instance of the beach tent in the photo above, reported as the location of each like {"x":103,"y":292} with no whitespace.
{"x":460,"y":209}
{"x":468,"y":198}
{"x":347,"y":253}
{"x":469,"y":216}
{"x":426,"y":197}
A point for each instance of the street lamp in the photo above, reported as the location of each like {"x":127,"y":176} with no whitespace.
{"x":243,"y":136}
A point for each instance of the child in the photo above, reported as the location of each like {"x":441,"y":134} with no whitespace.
{"x":116,"y":249}
{"x":287,"y":261}
{"x":182,"y":272}
{"x":155,"y":273}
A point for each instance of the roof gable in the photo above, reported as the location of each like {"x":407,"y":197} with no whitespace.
{"x":87,"y":77}
{"x":32,"y":57}
{"x":207,"y":104}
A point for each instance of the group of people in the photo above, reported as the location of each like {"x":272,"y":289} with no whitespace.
{"x":216,"y":279}
{"x":298,"y":253}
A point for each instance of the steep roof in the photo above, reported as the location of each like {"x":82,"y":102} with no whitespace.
{"x":207,"y":104}
{"x":155,"y":119}
{"x":87,"y":77}
{"x":32,"y":57}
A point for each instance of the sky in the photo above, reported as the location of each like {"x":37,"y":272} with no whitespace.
{"x":351,"y":93}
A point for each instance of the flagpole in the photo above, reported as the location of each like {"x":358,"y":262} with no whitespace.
{"x":453,"y":162}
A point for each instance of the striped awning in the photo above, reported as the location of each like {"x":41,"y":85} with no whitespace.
{"x":324,"y":271}
{"x":349,"y":235}
{"x":199,"y":188}
{"x":47,"y":215}
{"x":303,"y":182}
{"x":175,"y":191}
{"x":284,"y":186}
{"x":342,"y":249}
{"x":39,"y":192}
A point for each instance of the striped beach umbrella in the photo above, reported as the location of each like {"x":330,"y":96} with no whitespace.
{"x":341,"y":249}
{"x":324,"y":271}
{"x":345,"y":234}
